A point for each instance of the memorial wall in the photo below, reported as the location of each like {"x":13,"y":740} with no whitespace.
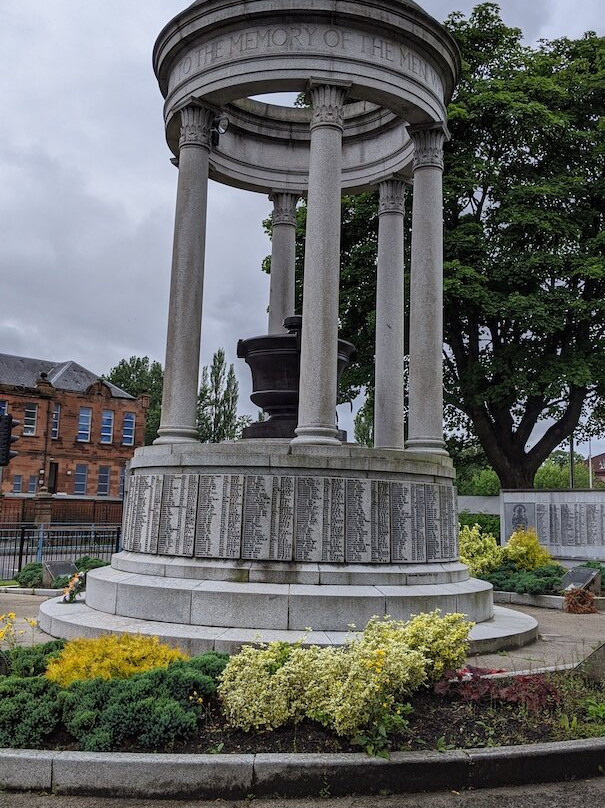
{"x":290,"y":518}
{"x":569,"y":524}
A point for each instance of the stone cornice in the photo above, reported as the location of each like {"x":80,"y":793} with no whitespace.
{"x":428,"y":145}
{"x":392,"y":197}
{"x":284,"y":207}
{"x":196,"y":126}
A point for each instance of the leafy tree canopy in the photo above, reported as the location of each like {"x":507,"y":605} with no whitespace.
{"x":139,"y":375}
{"x":524,"y":293}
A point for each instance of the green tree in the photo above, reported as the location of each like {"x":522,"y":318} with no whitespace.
{"x":136,"y":376}
{"x":524,"y":302}
{"x":217,"y":418}
{"x":524,"y":272}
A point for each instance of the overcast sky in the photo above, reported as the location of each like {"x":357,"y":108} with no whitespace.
{"x":87,"y":190}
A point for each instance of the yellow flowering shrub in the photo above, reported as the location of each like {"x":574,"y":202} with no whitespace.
{"x":525,"y":551}
{"x":110,"y":657}
{"x":443,"y":640}
{"x":478,"y":550}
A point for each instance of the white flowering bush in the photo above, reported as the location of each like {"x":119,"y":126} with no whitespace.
{"x":359,"y":690}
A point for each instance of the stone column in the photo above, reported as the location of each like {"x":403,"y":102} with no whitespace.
{"x":388,"y":396}
{"x":283,"y":256}
{"x":425,"y":431}
{"x":319,"y":349}
{"x":181,"y":374}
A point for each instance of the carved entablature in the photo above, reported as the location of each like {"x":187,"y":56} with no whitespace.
{"x":328,"y":101}
{"x":196,"y":126}
{"x":392,"y":197}
{"x":428,"y":145}
{"x":284,"y":207}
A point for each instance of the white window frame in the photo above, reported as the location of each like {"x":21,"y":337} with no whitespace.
{"x":77,"y":478}
{"x":111,"y":421}
{"x":55,"y":423}
{"x":29,"y":425}
{"x":17,"y":483}
{"x":105,"y":492}
{"x":82,"y":430}
{"x":129,"y":441}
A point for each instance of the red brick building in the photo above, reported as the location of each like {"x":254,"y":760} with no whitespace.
{"x":77,"y":431}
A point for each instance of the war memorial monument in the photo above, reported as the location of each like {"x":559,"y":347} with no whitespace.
{"x":292,"y":528}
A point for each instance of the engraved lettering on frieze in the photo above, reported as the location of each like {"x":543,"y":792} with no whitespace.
{"x":428,"y":147}
{"x":196,"y":126}
{"x":146,"y":493}
{"x":433,"y":533}
{"x":284,"y":208}
{"x":402,"y":547}
{"x":178,"y":515}
{"x":418,"y":521}
{"x":392,"y":197}
{"x":313,"y":40}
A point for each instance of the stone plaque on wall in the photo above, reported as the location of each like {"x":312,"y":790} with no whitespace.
{"x":449,"y":523}
{"x":418,"y":507}
{"x":144,"y":509}
{"x":281,"y":537}
{"x":358,"y":515}
{"x":403,"y":548}
{"x":319,"y":526}
{"x":219,"y":516}
{"x":178,"y":516}
{"x":333,"y":515}
{"x":380,"y":523}
{"x":432,"y":523}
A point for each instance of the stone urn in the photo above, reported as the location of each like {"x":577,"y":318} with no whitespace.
{"x":274,"y":360}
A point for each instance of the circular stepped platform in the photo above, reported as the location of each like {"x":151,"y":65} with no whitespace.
{"x":220,"y":608}
{"x":507,"y":629}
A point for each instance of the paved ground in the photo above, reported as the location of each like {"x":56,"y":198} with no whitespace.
{"x":563,"y":638}
{"x":558,"y":795}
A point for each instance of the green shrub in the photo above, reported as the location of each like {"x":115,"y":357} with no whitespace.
{"x":153,"y":710}
{"x":86,"y":563}
{"x":480,"y":551}
{"x":545,"y":580}
{"x":61,"y":582}
{"x":488,"y":522}
{"x":32,"y":660}
{"x":30,"y":576}
{"x":29,"y":711}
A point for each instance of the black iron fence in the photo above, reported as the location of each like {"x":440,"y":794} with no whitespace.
{"x":21,"y":544}
{"x":61,"y":511}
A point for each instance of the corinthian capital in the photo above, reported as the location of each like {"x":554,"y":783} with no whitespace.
{"x":327,"y":102}
{"x":284,"y":207}
{"x":196,"y":126}
{"x":392,"y":197}
{"x":428,"y":145}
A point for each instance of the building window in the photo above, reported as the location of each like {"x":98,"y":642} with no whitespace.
{"x":32,"y":484}
{"x":107,"y":427}
{"x":84,"y":423}
{"x":17,"y":483}
{"x":122,"y":481}
{"x":128,"y":429}
{"x":103,"y":481}
{"x":80,"y":479}
{"x":54,"y":429}
{"x":3,"y":407}
{"x":30,"y":419}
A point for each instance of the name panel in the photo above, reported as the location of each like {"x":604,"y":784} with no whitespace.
{"x":178,"y":515}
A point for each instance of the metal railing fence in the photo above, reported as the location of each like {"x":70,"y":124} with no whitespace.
{"x":23,"y":543}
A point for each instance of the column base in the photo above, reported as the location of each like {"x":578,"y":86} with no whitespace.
{"x":316,"y":435}
{"x":429,"y":445}
{"x":176,"y":434}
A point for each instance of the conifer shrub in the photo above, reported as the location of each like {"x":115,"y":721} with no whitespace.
{"x":30,"y":576}
{"x":109,"y":657}
{"x":29,"y":711}
{"x":153,"y":710}
{"x":544,"y":580}
{"x":26,"y":661}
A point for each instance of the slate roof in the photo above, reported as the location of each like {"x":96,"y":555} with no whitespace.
{"x":21,"y":371}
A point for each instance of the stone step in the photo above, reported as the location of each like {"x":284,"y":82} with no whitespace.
{"x":507,"y":629}
{"x":278,"y":607}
